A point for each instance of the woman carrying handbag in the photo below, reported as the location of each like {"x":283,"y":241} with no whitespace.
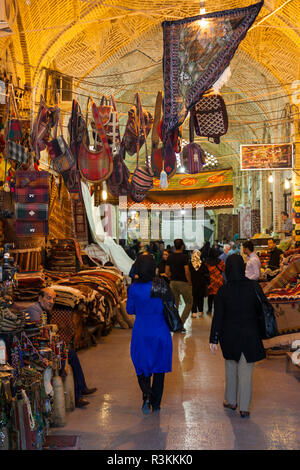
{"x":151,"y":341}
{"x":236,"y":325}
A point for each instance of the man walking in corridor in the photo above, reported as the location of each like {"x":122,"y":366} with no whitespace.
{"x":177,"y":270}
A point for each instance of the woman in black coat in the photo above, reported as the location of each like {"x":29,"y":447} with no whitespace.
{"x":235,"y":325}
{"x":200,"y":281}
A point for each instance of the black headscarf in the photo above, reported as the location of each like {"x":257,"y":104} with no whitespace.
{"x":235,"y":268}
{"x":145,"y":268}
{"x":213,"y":257}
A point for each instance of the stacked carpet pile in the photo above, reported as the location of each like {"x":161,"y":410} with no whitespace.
{"x":29,"y":285}
{"x":88,"y":303}
{"x":64,"y":256}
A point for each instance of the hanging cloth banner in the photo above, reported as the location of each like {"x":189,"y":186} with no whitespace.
{"x":197,"y":50}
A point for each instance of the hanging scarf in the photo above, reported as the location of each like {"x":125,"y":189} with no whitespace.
{"x":196,"y":260}
{"x":197,"y":50}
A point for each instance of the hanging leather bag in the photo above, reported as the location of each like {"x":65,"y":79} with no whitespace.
{"x":13,"y":128}
{"x":156,"y":151}
{"x":210,"y":116}
{"x":193,"y":153}
{"x":142,"y":178}
{"x":132,"y":139}
{"x":42,"y":125}
{"x":118,"y":182}
{"x":59,"y":151}
{"x":95,"y":166}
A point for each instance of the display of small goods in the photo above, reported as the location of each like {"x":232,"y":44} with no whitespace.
{"x":27,"y":403}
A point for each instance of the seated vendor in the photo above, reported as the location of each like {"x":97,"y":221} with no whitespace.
{"x":274,"y":262}
{"x":44,"y":305}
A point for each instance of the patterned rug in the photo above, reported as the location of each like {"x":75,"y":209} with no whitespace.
{"x":62,"y":442}
{"x":197,"y":50}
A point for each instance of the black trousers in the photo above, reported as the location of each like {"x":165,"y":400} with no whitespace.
{"x":211,"y":302}
{"x":79,"y":380}
{"x":198,"y":302}
{"x":154,"y":392}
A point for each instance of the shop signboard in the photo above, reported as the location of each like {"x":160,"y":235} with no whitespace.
{"x":266,"y":156}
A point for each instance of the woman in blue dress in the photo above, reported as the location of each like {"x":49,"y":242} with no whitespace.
{"x":151,"y":341}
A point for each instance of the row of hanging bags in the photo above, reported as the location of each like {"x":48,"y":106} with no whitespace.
{"x":142,"y":178}
{"x":95,"y":166}
{"x":193,"y":154}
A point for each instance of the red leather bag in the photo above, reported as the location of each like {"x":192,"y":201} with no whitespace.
{"x":95,"y":166}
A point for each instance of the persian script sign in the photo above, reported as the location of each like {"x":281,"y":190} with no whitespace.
{"x":266,"y":156}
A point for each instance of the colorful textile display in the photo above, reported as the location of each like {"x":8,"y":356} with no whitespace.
{"x":245,"y":222}
{"x":255,"y":221}
{"x":212,"y":189}
{"x":227,"y":226}
{"x":31,"y":215}
{"x":59,"y":222}
{"x":197,"y":50}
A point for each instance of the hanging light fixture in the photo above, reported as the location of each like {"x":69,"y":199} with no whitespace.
{"x":271,"y":179}
{"x":104,"y":191}
{"x":287,"y":184}
{"x":202,"y":8}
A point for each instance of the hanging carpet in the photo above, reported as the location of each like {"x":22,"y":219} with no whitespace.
{"x":197,"y":50}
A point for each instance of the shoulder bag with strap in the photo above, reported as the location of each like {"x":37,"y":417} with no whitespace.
{"x":210,"y":116}
{"x":132,"y":140}
{"x":95,"y":166}
{"x":118,"y":182}
{"x":59,"y":151}
{"x":156,"y":151}
{"x":142,"y":178}
{"x":13,"y":134}
{"x":193,"y":153}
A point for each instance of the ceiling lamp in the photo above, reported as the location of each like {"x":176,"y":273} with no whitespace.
{"x":271,"y":179}
{"x":104,"y":192}
{"x":287,"y":184}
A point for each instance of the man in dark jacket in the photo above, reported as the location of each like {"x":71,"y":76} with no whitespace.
{"x":275,"y":256}
{"x":235,"y":325}
{"x":35,"y":313}
{"x":177,"y":270}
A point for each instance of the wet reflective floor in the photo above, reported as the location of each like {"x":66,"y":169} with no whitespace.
{"x":192,"y":415}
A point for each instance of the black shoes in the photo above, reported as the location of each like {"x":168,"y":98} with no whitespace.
{"x":89,"y":391}
{"x":244,"y":414}
{"x":146,"y":407}
{"x":81,"y":403}
{"x":228,"y":405}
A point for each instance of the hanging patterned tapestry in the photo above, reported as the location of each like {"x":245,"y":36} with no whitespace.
{"x":197,"y":50}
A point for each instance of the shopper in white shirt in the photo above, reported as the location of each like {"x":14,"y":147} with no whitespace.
{"x":253,"y":264}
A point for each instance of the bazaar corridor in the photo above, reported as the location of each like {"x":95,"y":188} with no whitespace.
{"x":192,"y":415}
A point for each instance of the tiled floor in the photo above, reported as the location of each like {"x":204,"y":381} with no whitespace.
{"x":192,"y":415}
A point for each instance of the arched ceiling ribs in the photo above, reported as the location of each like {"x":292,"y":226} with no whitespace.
{"x":122,"y":48}
{"x":23,"y":41}
{"x":286,"y":27}
{"x":70,"y":31}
